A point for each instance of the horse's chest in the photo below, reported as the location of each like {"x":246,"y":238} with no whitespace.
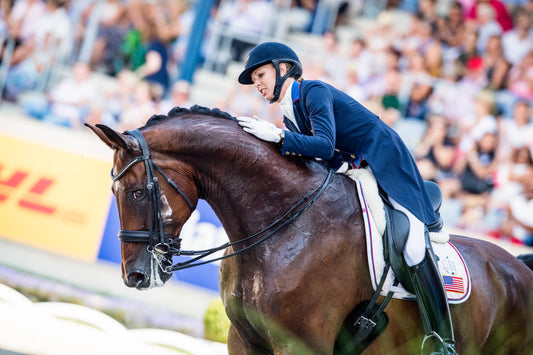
{"x":252,"y":291}
{"x":252,"y":307}
{"x":257,"y":295}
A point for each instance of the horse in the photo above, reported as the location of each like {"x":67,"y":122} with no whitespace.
{"x":296,"y":263}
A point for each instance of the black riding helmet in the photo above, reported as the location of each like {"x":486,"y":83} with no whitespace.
{"x":275,"y":53}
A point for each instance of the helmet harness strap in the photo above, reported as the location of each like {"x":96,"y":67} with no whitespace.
{"x":280,"y":79}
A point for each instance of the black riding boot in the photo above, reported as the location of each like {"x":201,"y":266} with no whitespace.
{"x":433,"y":305}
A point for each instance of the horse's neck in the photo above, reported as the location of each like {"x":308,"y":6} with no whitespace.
{"x":247,"y":182}
{"x":249,"y":198}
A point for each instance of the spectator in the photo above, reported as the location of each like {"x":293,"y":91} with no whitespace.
{"x":443,"y":99}
{"x":136,"y":112}
{"x":427,"y":9}
{"x":334,"y":61}
{"x":21,"y":23}
{"x":420,"y":87}
{"x":353,"y":85}
{"x":122,"y":95}
{"x":517,"y":131}
{"x":466,"y":90}
{"x":520,"y":81}
{"x":245,"y":18}
{"x":521,"y":210}
{"x":437,"y":150}
{"x":511,"y":176}
{"x":486,"y":26}
{"x":517,"y":227}
{"x":154,"y":70}
{"x":473,"y":128}
{"x":71,"y":98}
{"x":501,"y":14}
{"x":495,"y":65}
{"x":97,"y":113}
{"x":476,"y":169}
{"x":468,"y":51}
{"x":54,"y":30}
{"x":112,"y":28}
{"x":518,"y":41}
{"x":386,"y":85}
{"x":451,"y":29}
{"x":361,"y":58}
{"x":52,"y":43}
{"x":180,"y":93}
{"x":244,"y":99}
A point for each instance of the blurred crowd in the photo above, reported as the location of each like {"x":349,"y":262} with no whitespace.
{"x":454,"y":78}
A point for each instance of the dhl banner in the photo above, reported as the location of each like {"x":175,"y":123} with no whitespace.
{"x":52,"y":199}
{"x":62,"y":202}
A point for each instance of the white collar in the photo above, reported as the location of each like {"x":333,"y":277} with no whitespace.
{"x":287,"y":99}
{"x":286,"y":105}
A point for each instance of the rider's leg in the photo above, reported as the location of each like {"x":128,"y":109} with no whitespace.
{"x":427,"y":283}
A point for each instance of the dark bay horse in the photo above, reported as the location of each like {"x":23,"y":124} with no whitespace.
{"x":291,"y":293}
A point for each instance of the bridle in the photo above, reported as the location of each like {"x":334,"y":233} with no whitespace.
{"x":154,"y":236}
{"x":162,"y":245}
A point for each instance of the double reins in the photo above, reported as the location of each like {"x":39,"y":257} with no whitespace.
{"x":164,"y":244}
{"x":287,"y":218}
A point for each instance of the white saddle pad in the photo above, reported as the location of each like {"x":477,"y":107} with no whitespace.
{"x":455,"y":275}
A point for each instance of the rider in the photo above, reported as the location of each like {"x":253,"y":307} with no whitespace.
{"x":325,"y":123}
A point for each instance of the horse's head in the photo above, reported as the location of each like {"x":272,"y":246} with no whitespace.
{"x":145,"y":193}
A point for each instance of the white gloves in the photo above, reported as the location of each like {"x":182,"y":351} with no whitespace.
{"x":260,"y":128}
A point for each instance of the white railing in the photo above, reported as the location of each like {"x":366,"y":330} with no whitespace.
{"x":55,"y":328}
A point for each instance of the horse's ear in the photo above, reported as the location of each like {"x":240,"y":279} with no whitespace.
{"x":109,"y":136}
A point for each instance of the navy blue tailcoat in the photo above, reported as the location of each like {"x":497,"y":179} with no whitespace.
{"x":336,"y":128}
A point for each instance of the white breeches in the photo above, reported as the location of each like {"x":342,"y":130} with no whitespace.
{"x":415,"y":248}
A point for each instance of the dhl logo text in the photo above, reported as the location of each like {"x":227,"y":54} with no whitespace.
{"x":34,"y":189}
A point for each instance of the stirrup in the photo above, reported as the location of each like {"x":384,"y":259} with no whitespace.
{"x":446,"y":348}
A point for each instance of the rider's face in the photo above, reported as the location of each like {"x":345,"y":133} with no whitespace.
{"x":264,"y":79}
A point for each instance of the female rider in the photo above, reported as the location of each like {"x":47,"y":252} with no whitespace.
{"x":323,"y":122}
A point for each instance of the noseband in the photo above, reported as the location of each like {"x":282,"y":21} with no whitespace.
{"x":162,"y":245}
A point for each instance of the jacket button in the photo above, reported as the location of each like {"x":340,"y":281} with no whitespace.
{"x":353,"y":156}
{"x":287,"y":153}
{"x":293,"y":153}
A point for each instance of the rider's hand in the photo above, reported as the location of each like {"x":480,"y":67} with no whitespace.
{"x":260,"y":128}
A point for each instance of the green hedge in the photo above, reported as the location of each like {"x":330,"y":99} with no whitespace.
{"x":216,"y":322}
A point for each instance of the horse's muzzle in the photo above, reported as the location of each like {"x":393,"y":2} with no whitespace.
{"x":137,"y":279}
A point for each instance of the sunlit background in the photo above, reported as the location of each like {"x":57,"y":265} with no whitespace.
{"x":453,"y":78}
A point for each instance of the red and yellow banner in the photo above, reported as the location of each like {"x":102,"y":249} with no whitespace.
{"x":52,"y":199}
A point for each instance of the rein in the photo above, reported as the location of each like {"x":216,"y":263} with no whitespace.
{"x":163,"y":245}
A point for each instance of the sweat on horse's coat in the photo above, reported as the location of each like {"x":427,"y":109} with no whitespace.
{"x":291,"y":294}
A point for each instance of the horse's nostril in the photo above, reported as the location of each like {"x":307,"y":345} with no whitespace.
{"x":136,"y":279}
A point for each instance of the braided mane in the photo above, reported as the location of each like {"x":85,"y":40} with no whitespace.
{"x":181,"y":111}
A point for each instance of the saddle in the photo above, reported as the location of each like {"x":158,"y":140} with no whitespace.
{"x":397,"y":231}
{"x":387,"y":231}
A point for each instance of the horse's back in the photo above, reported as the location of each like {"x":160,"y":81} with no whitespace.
{"x":500,"y":307}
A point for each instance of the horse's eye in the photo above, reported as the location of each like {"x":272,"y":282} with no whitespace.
{"x":137,"y":194}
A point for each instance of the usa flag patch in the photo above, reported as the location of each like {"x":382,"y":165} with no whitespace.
{"x":453,"y":283}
